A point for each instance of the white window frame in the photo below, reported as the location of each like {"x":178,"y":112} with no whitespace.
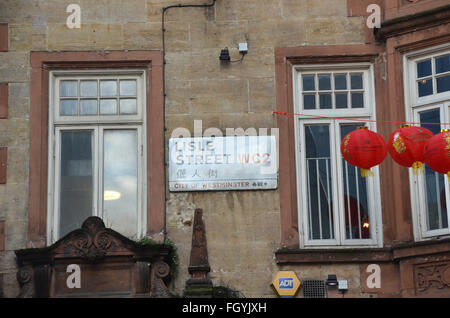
{"x":414,"y":105}
{"x":373,"y":184}
{"x":410,"y":76}
{"x":98,"y":124}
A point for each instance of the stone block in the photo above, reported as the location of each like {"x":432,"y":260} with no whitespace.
{"x":262,"y":95}
{"x":14,"y":66}
{"x":218,"y":34}
{"x":277,"y":33}
{"x":88,"y":37}
{"x":141,"y":36}
{"x":337,"y":30}
{"x":19,"y":100}
{"x":16,"y":235}
{"x":233,"y":10}
{"x":112,"y":11}
{"x":17,"y":165}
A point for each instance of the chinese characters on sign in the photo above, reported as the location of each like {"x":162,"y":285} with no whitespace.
{"x":223,"y":163}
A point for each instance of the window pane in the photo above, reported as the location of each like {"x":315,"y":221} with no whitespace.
{"x":108,"y":107}
{"x":425,"y":87}
{"x":76,"y":181}
{"x":431,"y":116}
{"x":88,"y":88}
{"x":424,"y":68}
{"x":324,"y":82}
{"x":341,"y":100}
{"x":443,"y":64}
{"x":68,"y":89}
{"x":128,"y":106}
{"x":308,"y":83}
{"x":309,"y":101}
{"x":68,"y":107}
{"x":120,"y":181}
{"x":443,"y":84}
{"x":340,"y":81}
{"x":434,"y":185}
{"x":325,"y":101}
{"x":128,"y":88}
{"x":88,"y":107}
{"x":356,"y":81}
{"x":357,"y":100}
{"x":108,"y":88}
{"x":356,"y":208}
{"x":319,"y":189}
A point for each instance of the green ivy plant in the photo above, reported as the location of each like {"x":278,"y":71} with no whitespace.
{"x":174,"y":259}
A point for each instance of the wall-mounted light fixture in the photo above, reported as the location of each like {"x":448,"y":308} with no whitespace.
{"x":224,"y":55}
{"x":332,"y":280}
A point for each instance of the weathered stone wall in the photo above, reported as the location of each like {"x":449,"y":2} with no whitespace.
{"x":243,"y":228}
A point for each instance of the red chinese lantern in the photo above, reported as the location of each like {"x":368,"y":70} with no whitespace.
{"x":363,"y":148}
{"x":406,"y":146}
{"x":437,"y":152}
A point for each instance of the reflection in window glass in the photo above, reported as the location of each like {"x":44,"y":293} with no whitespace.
{"x":424,"y":68}
{"x":340,"y":81}
{"x":128,"y":106}
{"x":443,"y":84}
{"x":88,"y":107}
{"x":88,"y":88}
{"x":357,"y":221}
{"x":356,"y":81}
{"x":357,"y":100}
{"x":325,"y":101}
{"x":324,"y":82}
{"x":68,"y":107}
{"x":443,"y":64}
{"x":436,"y":209}
{"x":128,"y":88}
{"x":76,"y":181}
{"x":108,"y":88}
{"x":341,"y":100}
{"x":120,"y":180}
{"x":108,"y":107}
{"x":309,"y":101}
{"x":332,"y":91}
{"x":309,"y":83}
{"x":68,"y":89}
{"x":318,"y":169}
{"x":425,"y":87}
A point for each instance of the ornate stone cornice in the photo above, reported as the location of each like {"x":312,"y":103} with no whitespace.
{"x":414,"y":22}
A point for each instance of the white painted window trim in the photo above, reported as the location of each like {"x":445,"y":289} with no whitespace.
{"x":410,"y":75}
{"x":98,"y":124}
{"x":413,"y":107}
{"x":368,"y":112}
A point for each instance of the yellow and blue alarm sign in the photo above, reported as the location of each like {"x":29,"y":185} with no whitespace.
{"x":286,"y":284}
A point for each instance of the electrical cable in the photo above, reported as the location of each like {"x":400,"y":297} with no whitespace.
{"x":163,"y":30}
{"x":240,"y":60}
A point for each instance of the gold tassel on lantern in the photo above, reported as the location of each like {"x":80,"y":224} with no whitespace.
{"x":367,"y":173}
{"x":448,"y":176}
{"x":418,"y":168}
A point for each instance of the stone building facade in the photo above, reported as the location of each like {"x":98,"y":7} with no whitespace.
{"x":254,"y":234}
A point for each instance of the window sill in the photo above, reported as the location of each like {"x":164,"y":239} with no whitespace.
{"x":394,"y":253}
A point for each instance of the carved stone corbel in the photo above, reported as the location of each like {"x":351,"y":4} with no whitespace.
{"x":25,"y":279}
{"x":159,"y":271}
